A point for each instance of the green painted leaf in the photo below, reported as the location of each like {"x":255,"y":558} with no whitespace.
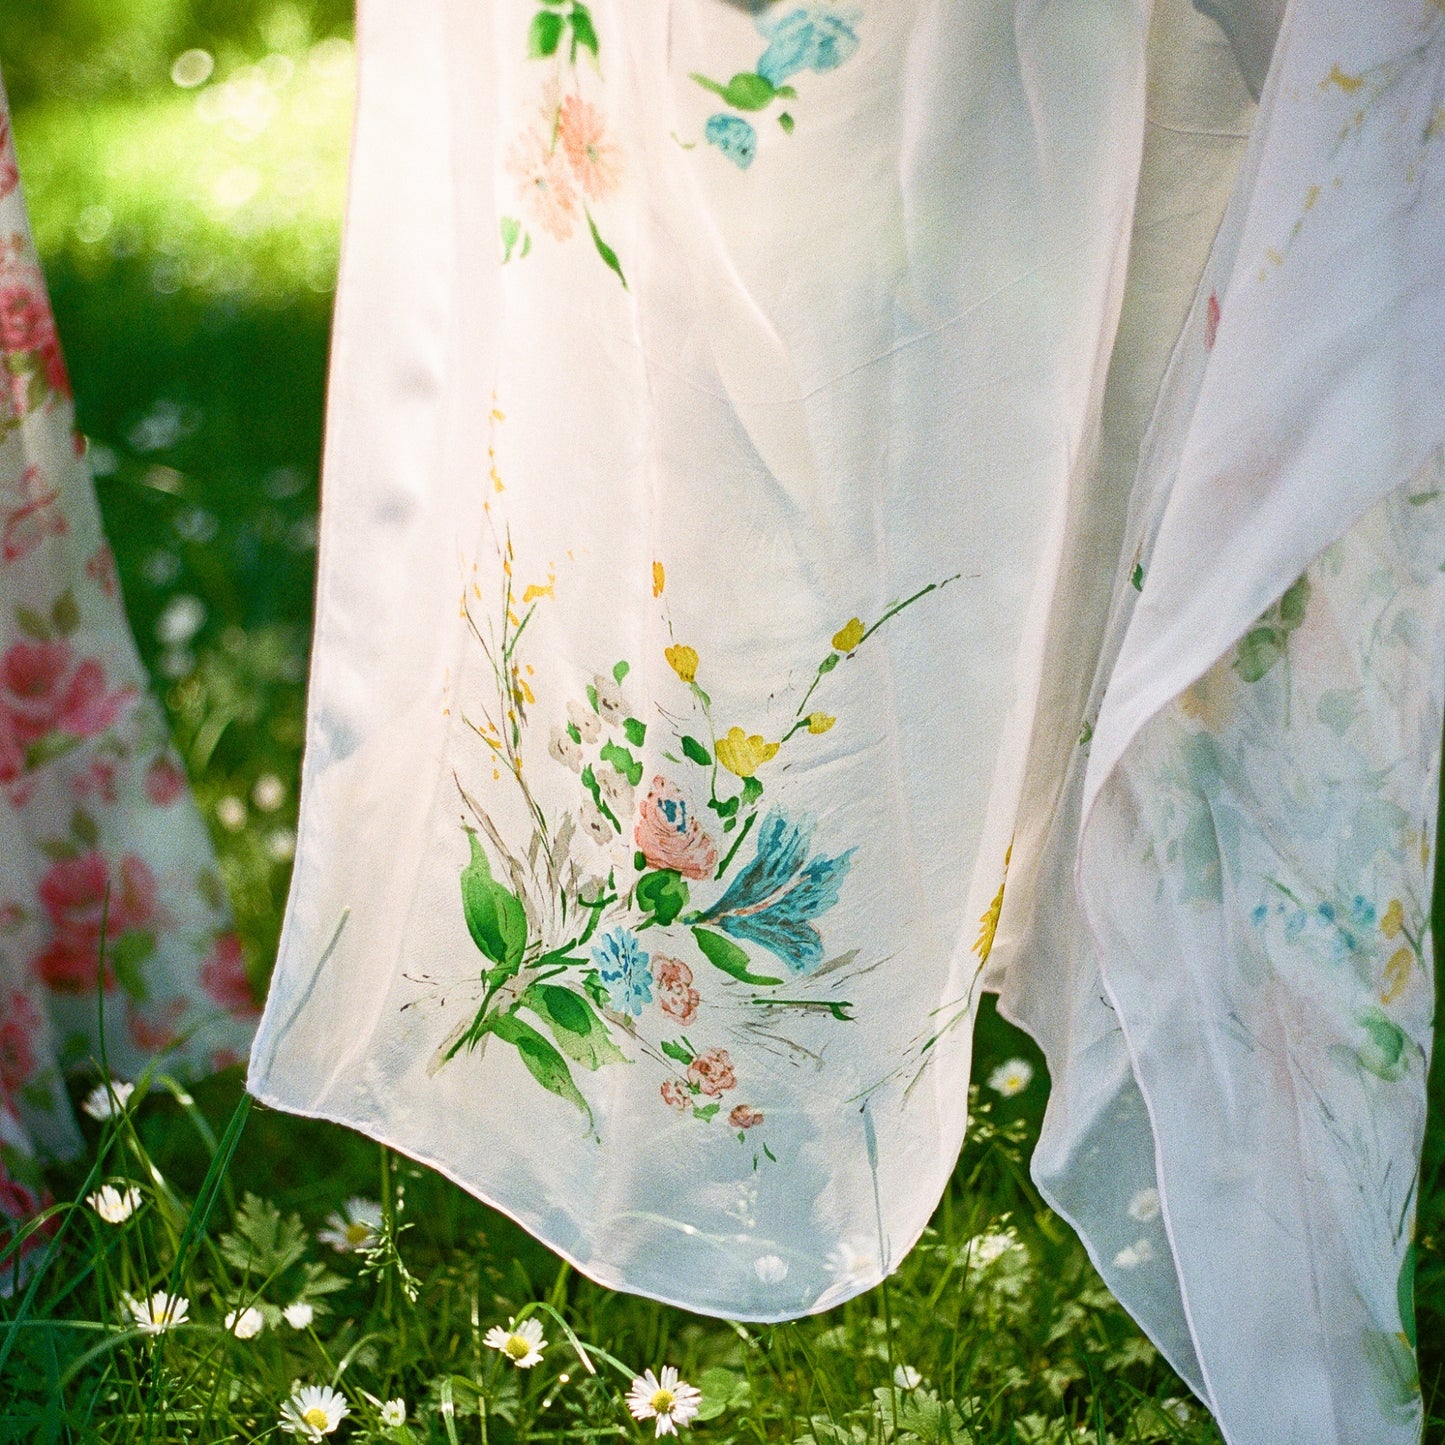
{"x":745,"y":91}
{"x":752,"y":791}
{"x":584,"y":33}
{"x":126,"y":954}
{"x":1405,"y":1293}
{"x":65,"y":615}
{"x":620,"y":671}
{"x":1383,"y":1053}
{"x":723,"y":953}
{"x":636,"y":731}
{"x":495,"y":916}
{"x":573,"y":733}
{"x":623,"y":761}
{"x":1136,"y":577}
{"x":1259,"y":649}
{"x":595,"y":989}
{"x":32,"y":624}
{"x":682,"y":1054}
{"x":708,"y":1111}
{"x":829,"y":662}
{"x":1294,"y":603}
{"x":693,"y":749}
{"x":580,"y":1033}
{"x":663,"y":894}
{"x":609,"y":256}
{"x":544,"y":35}
{"x":542,"y":1061}
{"x":511,"y":229}
{"x":786,"y":121}
{"x":83,"y":828}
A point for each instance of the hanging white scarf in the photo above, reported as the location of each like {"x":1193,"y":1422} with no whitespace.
{"x":718,"y":537}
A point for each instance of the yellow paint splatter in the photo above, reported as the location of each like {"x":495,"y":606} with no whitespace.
{"x":849,"y":635}
{"x":1311,"y":196}
{"x":659,"y":577}
{"x":535,"y":591}
{"x":988,"y":920}
{"x":1347,"y":83}
{"x":1397,"y":975}
{"x":1393,"y":919}
{"x":683,"y":660}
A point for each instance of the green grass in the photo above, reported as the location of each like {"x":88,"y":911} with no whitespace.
{"x":190,"y":245}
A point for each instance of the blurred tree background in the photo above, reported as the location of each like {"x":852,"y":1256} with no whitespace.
{"x":185,"y":163}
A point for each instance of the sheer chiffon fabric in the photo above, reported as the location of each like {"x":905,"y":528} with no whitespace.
{"x":98,"y":832}
{"x":757,"y":613}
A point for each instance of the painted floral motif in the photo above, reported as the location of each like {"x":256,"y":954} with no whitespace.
{"x":800,"y":39}
{"x":677,"y":887}
{"x":565,"y":161}
{"x":34,"y":369}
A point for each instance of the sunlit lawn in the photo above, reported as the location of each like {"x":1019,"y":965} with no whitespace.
{"x":190,"y":232}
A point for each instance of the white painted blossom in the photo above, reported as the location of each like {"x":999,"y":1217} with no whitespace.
{"x":770,"y":1269}
{"x":313,"y":1411}
{"x":587,"y":723}
{"x":521,"y":1343}
{"x":1133,"y":1255}
{"x":667,"y":1400}
{"x":1144,"y":1206}
{"x":114,"y":1205}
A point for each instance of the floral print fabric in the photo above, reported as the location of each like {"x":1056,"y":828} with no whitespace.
{"x":98,"y":835}
{"x":723,"y":506}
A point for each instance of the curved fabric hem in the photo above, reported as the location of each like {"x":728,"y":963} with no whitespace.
{"x":598,"y":1276}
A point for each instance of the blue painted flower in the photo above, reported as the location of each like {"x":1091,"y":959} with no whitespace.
{"x":625,"y":970}
{"x":775,"y":899}
{"x":813,"y":37}
{"x":734,"y":137}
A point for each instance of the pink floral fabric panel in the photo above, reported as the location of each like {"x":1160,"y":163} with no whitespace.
{"x":98,"y":833}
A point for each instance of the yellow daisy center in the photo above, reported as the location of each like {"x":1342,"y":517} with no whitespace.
{"x":357,"y":1233}
{"x":518,"y":1346}
{"x":316,"y":1418}
{"x":663,"y":1401}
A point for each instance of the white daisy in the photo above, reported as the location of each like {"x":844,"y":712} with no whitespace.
{"x":354,"y":1226}
{"x":521,"y":1343}
{"x":106,"y":1101}
{"x":313,"y":1411}
{"x":114,"y":1205}
{"x":159,"y":1313}
{"x":246,"y":1324}
{"x":1144,"y":1206}
{"x":393,"y":1414}
{"x":299,"y":1315}
{"x":1011,"y":1077}
{"x":669,"y":1401}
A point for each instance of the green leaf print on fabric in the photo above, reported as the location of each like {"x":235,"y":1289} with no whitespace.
{"x":495,"y":917}
{"x":1267,"y":641}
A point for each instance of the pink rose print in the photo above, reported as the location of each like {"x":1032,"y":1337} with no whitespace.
{"x":19,"y":1024}
{"x":12,"y":755}
{"x":24,"y":526}
{"x":165,"y":781}
{"x":100,"y":568}
{"x":27,"y":329}
{"x":669,"y":836}
{"x":595,"y":160}
{"x":712,"y":1072}
{"x":20,"y":1203}
{"x":98,"y":779}
{"x":547,"y":190}
{"x":745,"y":1116}
{"x":9,"y":171}
{"x":674,"y":1095}
{"x":223,"y":976}
{"x":45,"y":689}
{"x":72,"y":892}
{"x":675,"y":993}
{"x":1211,"y":322}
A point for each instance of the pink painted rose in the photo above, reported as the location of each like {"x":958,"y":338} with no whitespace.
{"x":223,"y":976}
{"x":12,"y":754}
{"x":675,"y":992}
{"x":669,"y":836}
{"x":72,"y":892}
{"x":745,"y":1116}
{"x":712,"y":1072}
{"x":100,"y":566}
{"x":9,"y":171}
{"x":99,"y":779}
{"x":19,"y":1025}
{"x":20,"y":1203}
{"x":674,"y":1095}
{"x":27,"y":328}
{"x":165,"y":781}
{"x":45,"y":689}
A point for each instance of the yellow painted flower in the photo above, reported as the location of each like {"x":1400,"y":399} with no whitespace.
{"x":1397,"y":975}
{"x":659,"y":577}
{"x":820,"y":722}
{"x":850,"y":635}
{"x":988,"y":922}
{"x":1393,"y":919}
{"x":682,"y":660}
{"x":743,"y":754}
